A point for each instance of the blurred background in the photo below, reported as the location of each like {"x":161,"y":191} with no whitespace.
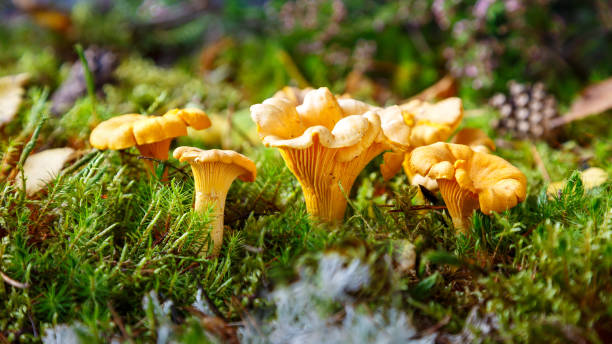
{"x":237,"y":52}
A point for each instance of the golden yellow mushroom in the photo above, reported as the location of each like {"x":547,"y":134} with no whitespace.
{"x":213,"y":173}
{"x":294,"y":94}
{"x":414,"y":124}
{"x":152,"y":135}
{"x":476,"y":139}
{"x":469,"y":180}
{"x":324,"y":141}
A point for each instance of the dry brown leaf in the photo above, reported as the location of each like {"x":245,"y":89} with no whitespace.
{"x":11,"y":94}
{"x":42,"y":167}
{"x":443,"y":88}
{"x":210,"y":53}
{"x":593,"y":100}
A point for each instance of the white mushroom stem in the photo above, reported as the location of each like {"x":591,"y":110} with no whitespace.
{"x":460,"y":203}
{"x":212,"y":182}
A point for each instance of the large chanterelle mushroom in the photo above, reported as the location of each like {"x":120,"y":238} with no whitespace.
{"x":469,"y":180}
{"x":324,"y":141}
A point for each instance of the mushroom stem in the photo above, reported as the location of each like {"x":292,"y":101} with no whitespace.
{"x":320,"y":175}
{"x":157,"y":150}
{"x":212,"y":182}
{"x":460,"y":203}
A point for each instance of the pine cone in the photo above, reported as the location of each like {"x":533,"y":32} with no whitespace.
{"x":526,"y":111}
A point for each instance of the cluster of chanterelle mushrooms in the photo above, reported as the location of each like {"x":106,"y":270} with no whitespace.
{"x":213,"y":170}
{"x":326,"y":140}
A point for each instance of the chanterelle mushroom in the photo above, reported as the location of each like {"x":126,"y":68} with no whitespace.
{"x":150,"y":134}
{"x":213,"y":172}
{"x":414,"y":124}
{"x":476,"y":139}
{"x":469,"y":180}
{"x":324,"y":141}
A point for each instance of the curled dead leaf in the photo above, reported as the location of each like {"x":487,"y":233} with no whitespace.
{"x":42,"y":167}
{"x":443,"y":88}
{"x":11,"y":95}
{"x":593,"y":100}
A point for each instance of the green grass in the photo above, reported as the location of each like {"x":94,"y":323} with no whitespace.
{"x":105,"y":234}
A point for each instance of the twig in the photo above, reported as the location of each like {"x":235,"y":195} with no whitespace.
{"x":12,"y":282}
{"x":118,"y":321}
{"x":84,"y":159}
{"x":34,"y":330}
{"x":420,"y":207}
{"x":433,"y":329}
{"x":539,"y":162}
{"x":213,"y":307}
{"x":253,"y":249}
{"x":140,"y":157}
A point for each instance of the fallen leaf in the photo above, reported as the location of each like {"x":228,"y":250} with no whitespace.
{"x":593,"y":100}
{"x":11,"y":94}
{"x":46,"y":14}
{"x":444,"y":88}
{"x":42,"y":167}
{"x":591,"y":178}
{"x":475,"y":138}
{"x":210,"y":53}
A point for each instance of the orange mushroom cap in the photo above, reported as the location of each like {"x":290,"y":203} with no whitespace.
{"x":414,"y":124}
{"x":131,"y":130}
{"x":496,"y":183}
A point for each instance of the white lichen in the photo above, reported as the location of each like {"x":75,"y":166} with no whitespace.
{"x":319,"y":309}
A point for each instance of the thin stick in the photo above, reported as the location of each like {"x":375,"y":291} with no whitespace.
{"x":140,"y":157}
{"x":420,"y":207}
{"x":12,"y":282}
{"x":539,"y":162}
{"x":118,"y":321}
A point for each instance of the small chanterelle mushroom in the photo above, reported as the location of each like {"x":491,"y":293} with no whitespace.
{"x":213,"y":173}
{"x":324,"y":141}
{"x":469,"y":180}
{"x":476,"y":139}
{"x":152,"y":135}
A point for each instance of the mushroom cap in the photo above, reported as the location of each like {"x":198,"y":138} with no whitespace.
{"x":130,"y":130}
{"x":498,"y":184}
{"x":115,"y":133}
{"x":418,"y":123}
{"x":294,"y":94}
{"x":336,"y":123}
{"x":194,"y":155}
{"x":475,"y":138}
